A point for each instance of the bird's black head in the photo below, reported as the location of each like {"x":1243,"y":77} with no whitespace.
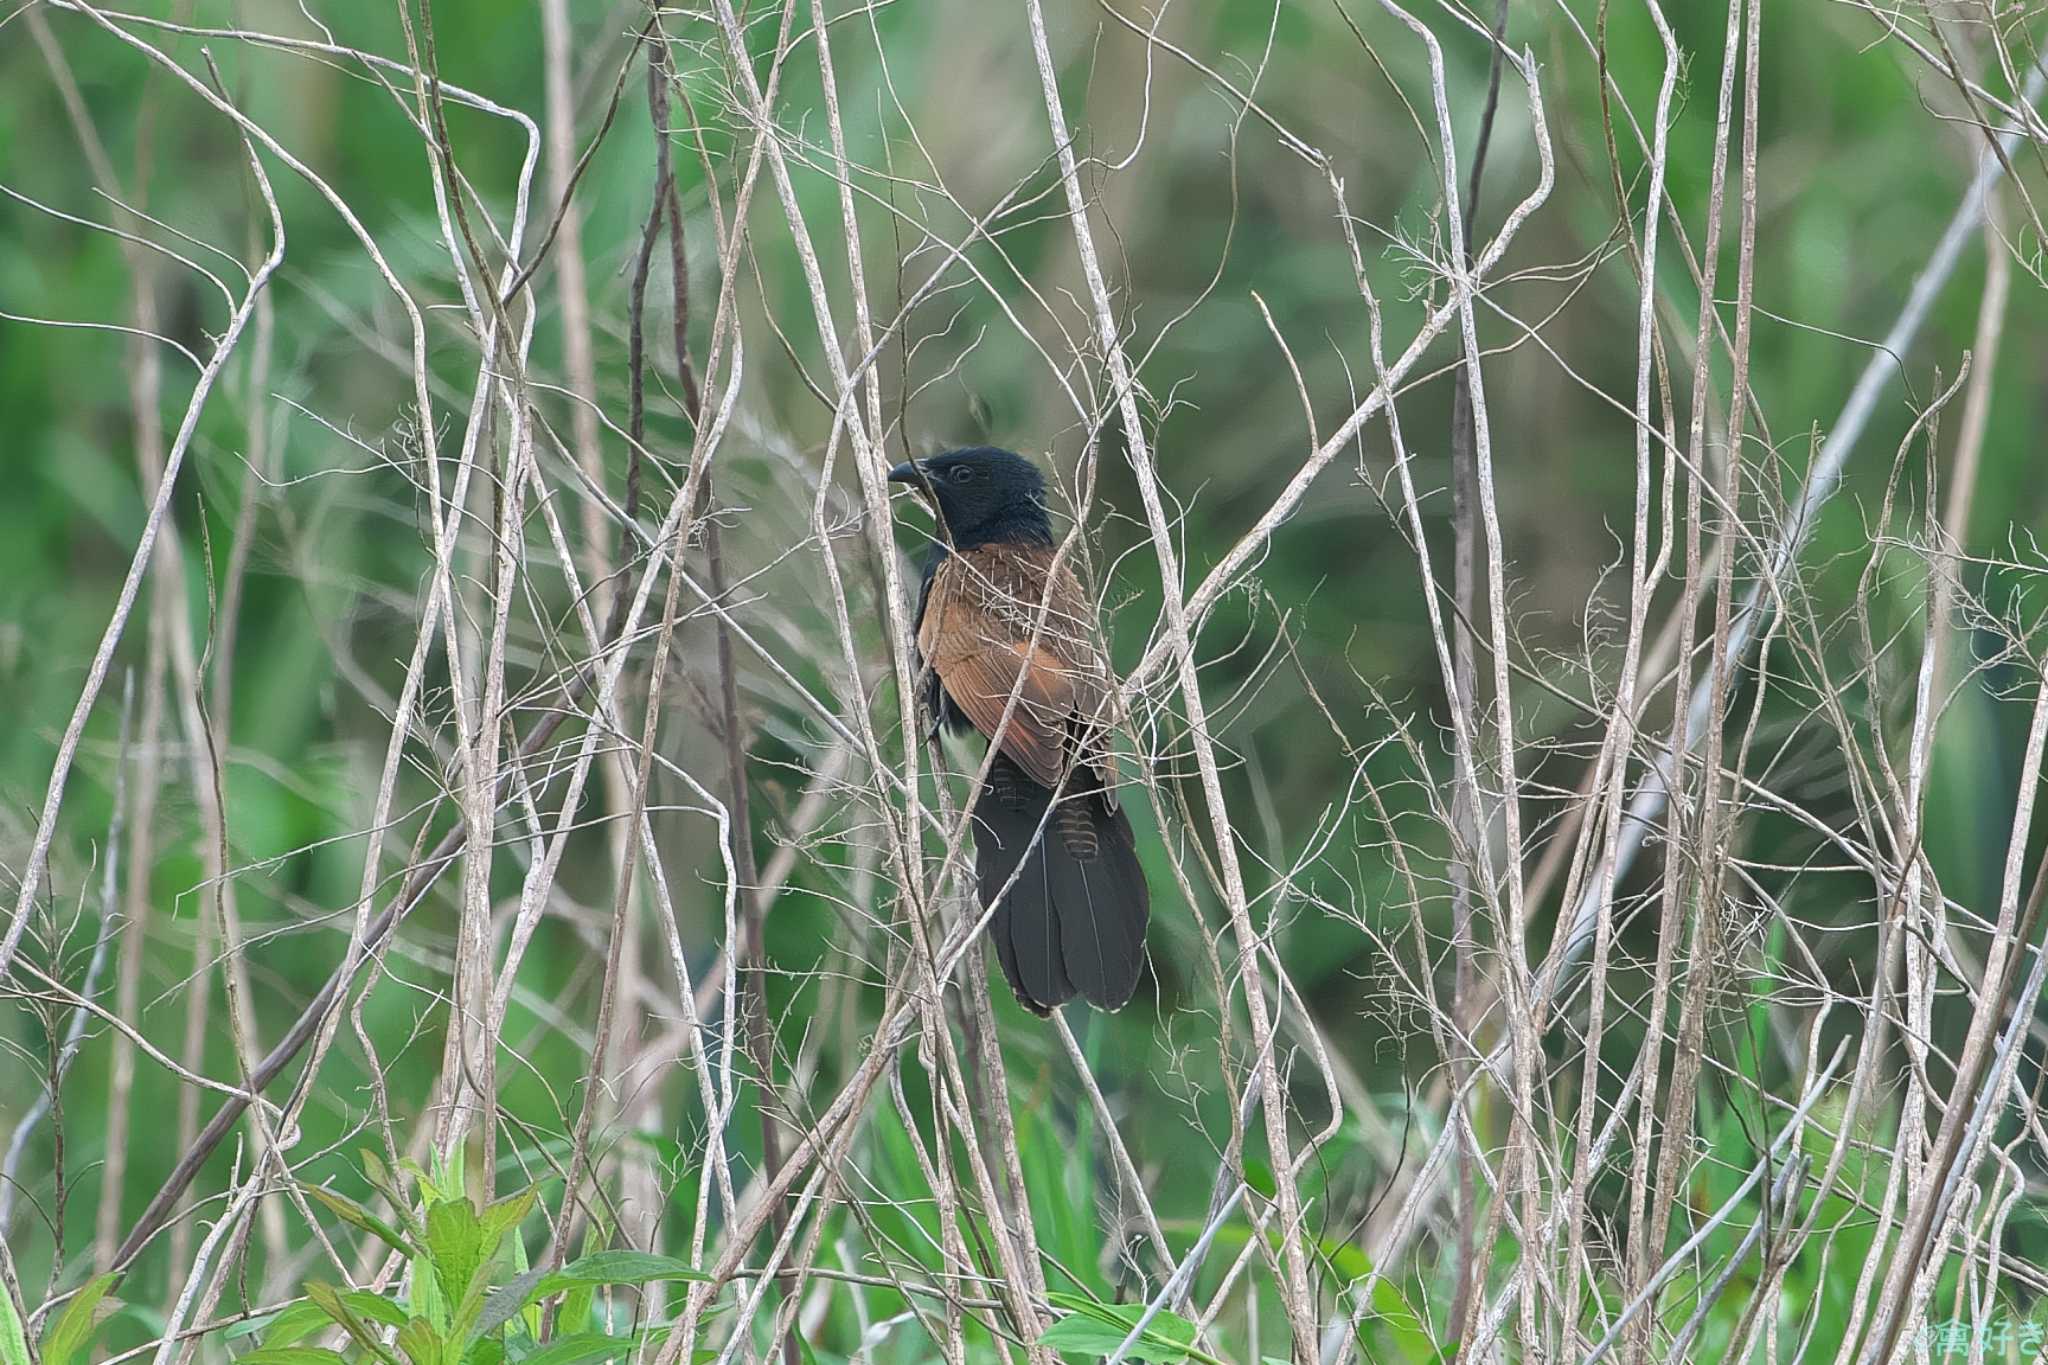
{"x":982,"y":495}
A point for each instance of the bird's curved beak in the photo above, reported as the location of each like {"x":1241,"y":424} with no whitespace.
{"x":912,"y":473}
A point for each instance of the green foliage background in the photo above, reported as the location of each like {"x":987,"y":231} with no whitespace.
{"x":1861,"y":164}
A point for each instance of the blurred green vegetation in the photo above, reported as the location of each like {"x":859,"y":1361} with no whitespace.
{"x":1861,"y":162}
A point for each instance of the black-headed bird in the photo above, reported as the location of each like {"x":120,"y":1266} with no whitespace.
{"x":1012,"y":648}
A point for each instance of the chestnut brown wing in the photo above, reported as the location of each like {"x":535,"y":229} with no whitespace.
{"x":989,"y":630}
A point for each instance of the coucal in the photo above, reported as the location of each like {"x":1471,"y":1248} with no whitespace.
{"x":1053,"y":851}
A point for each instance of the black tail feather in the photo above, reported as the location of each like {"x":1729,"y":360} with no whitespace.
{"x":1073,"y":922}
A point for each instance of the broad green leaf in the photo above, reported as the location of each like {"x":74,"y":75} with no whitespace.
{"x":580,"y":1348}
{"x":516,"y":1264}
{"x":485,"y":1351}
{"x":292,"y":1355}
{"x":462,"y":1327}
{"x":249,"y":1327}
{"x":420,"y":1343}
{"x":492,"y":1228}
{"x":579,"y":1277}
{"x":379,"y":1175}
{"x":1099,"y":1328}
{"x":476,"y":1175}
{"x":574,"y":1314}
{"x":1080,"y":1333}
{"x":504,"y":1217}
{"x":292,"y":1324}
{"x":74,"y":1328}
{"x":622,"y":1267}
{"x":355,"y":1215}
{"x":295,"y":1322}
{"x":440,"y":1185}
{"x":375,"y":1307}
{"x":430,"y":1191}
{"x":584,"y":1347}
{"x":455,"y":1244}
{"x":462,"y":1322}
{"x":330,"y":1299}
{"x":392,"y":1188}
{"x":506,"y":1301}
{"x":13,"y":1345}
{"x":427,"y":1298}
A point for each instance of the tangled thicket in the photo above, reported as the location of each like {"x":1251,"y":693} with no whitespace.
{"x":1557,"y":481}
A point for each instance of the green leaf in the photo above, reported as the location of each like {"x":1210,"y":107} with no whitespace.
{"x":430,"y":1189}
{"x":580,"y":1276}
{"x":1080,"y":1333}
{"x":13,"y":1345}
{"x":376,"y":1307}
{"x":292,"y":1324}
{"x":455,"y":1244}
{"x":622,"y":1267}
{"x":292,"y":1355}
{"x":1391,"y":1307}
{"x":476,"y":1174}
{"x":355,"y":1215}
{"x":492,"y":1228}
{"x":331,"y":1299}
{"x":249,"y":1327}
{"x":74,"y":1328}
{"x":1345,"y":1265}
{"x":295,"y":1322}
{"x":504,"y":1217}
{"x":385,"y":1183}
{"x":575,"y":1312}
{"x":1099,"y":1328}
{"x":506,"y":1301}
{"x":584,"y":1347}
{"x":515,"y":1262}
{"x":420,"y":1343}
{"x":378,"y":1174}
{"x":426,"y":1297}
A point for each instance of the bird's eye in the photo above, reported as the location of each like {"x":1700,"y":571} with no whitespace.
{"x":963,"y":474}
